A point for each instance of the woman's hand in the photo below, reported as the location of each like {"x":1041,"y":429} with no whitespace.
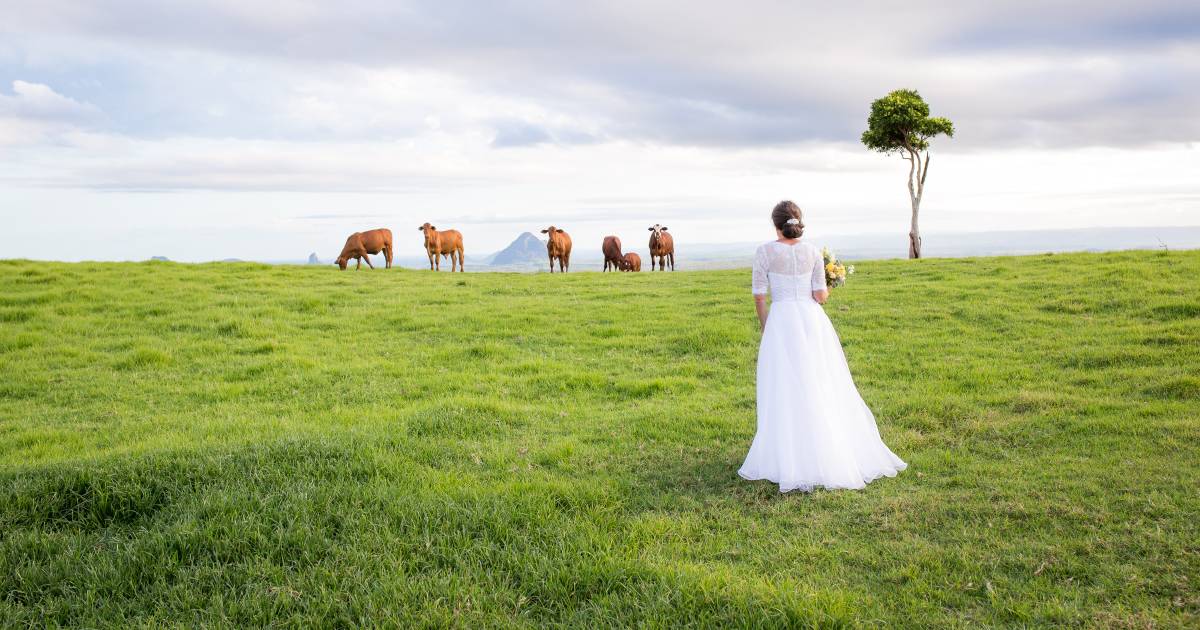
{"x":821,"y":296}
{"x":760,"y":306}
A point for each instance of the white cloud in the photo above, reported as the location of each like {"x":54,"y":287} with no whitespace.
{"x":35,"y":113}
{"x":38,"y":101}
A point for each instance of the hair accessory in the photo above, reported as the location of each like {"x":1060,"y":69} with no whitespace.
{"x":793,"y":221}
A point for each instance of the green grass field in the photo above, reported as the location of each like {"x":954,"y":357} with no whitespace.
{"x":238,"y":444}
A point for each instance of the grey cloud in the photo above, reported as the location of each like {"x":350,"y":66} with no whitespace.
{"x":758,"y":73}
{"x":520,"y":134}
{"x":587,"y":213}
{"x":209,"y":174}
{"x":1101,"y":26}
{"x":334,"y":216}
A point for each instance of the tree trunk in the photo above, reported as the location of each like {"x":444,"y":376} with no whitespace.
{"x":916,"y":185}
{"x":914,"y":233}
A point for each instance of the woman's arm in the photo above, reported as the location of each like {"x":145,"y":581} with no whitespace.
{"x":820,"y":291}
{"x":760,"y":305}
{"x":760,"y":284}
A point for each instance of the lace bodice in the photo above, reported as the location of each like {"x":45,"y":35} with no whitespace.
{"x":789,"y":272}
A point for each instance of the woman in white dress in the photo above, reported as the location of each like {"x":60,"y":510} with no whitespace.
{"x":814,"y":430}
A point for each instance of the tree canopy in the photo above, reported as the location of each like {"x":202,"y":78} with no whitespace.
{"x":900,"y":121}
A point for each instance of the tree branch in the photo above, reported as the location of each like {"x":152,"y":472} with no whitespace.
{"x":924,"y":172}
{"x":912,"y":164}
{"x":917,"y":163}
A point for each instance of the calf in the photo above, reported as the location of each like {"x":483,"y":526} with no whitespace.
{"x":631,"y":262}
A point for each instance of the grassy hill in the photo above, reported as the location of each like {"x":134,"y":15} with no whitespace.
{"x":238,"y":443}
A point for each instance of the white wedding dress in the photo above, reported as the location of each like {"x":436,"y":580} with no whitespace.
{"x":814,"y":430}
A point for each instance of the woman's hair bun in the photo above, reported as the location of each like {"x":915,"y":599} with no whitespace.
{"x":788,"y":219}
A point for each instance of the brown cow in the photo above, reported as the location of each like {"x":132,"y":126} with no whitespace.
{"x":442,"y":244}
{"x":662,"y":246}
{"x":360,"y":244}
{"x":631,"y":262}
{"x":559,"y":246}
{"x":612,"y":252}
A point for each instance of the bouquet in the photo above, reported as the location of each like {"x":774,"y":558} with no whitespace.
{"x":835,"y":271}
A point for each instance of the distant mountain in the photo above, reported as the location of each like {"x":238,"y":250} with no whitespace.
{"x":160,"y":258}
{"x":526,"y":250}
{"x":313,"y":260}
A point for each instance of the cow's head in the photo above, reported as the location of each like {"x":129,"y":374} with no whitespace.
{"x":427,"y":229}
{"x":658,"y":230}
{"x":341,"y":262}
{"x":551,"y":230}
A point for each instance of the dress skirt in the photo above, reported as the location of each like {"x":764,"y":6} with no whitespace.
{"x":814,"y":430}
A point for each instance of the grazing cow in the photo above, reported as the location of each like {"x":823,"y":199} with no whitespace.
{"x":360,"y":244}
{"x":559,"y":246}
{"x":441,"y":244}
{"x":631,"y":262}
{"x":612,"y":252}
{"x":661,"y":246}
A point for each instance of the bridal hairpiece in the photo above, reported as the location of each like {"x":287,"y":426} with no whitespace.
{"x":793,"y":221}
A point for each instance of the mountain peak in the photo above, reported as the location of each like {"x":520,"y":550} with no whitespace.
{"x":527,"y":249}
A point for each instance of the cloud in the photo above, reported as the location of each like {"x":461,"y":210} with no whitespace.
{"x":40,"y":102}
{"x":34,"y":114}
{"x":760,"y":73}
{"x":520,"y":134}
{"x":312,"y":118}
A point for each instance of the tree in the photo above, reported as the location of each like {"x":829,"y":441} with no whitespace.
{"x":900,"y":123}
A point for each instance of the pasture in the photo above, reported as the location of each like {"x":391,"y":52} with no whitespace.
{"x":241,"y":444}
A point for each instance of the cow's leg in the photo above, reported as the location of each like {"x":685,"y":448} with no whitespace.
{"x":552,"y":264}
{"x":462,"y":260}
{"x":367,"y":257}
{"x":357,"y":263}
{"x":428,"y":253}
{"x":672,"y":261}
{"x":387,"y":255}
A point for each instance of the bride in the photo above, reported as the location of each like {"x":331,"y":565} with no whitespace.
{"x":814,"y":430}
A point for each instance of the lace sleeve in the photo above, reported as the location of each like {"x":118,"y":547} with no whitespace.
{"x":759,"y":281}
{"x":818,"y":273}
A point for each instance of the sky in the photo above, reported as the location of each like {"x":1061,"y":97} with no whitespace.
{"x":267,"y":130}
